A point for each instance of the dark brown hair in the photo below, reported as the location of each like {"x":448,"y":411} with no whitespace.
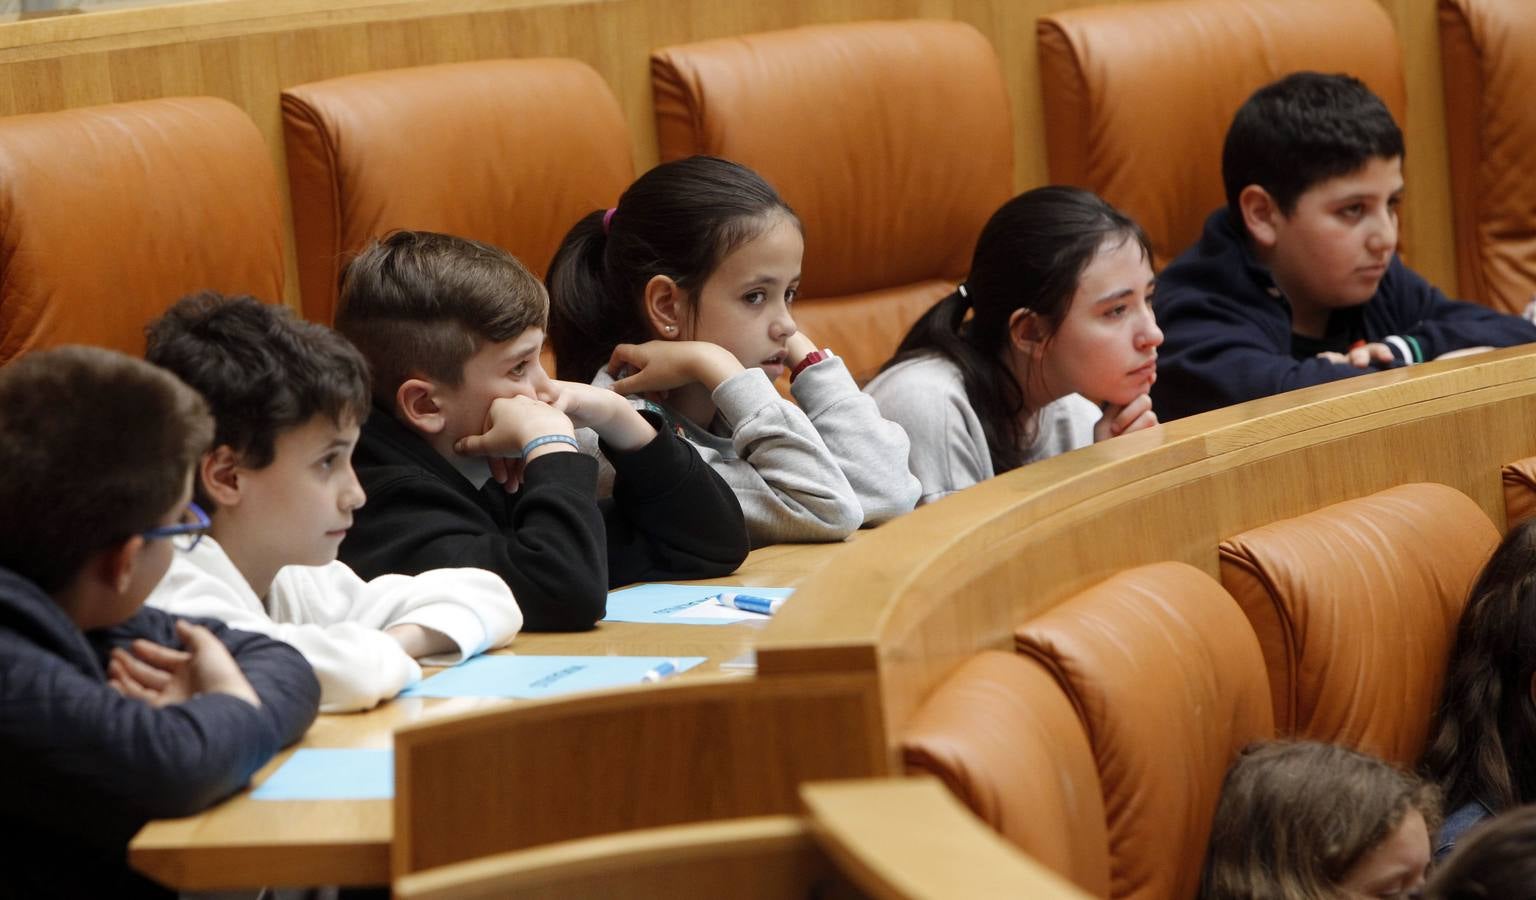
{"x":1497,"y":859}
{"x":1482,"y":744}
{"x":262,"y":370}
{"x":420,"y":304}
{"x":1295,"y":816}
{"x":95,"y":447}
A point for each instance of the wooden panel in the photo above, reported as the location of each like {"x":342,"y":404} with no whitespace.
{"x":540,"y":772}
{"x":914,"y":598}
{"x":912,"y":838}
{"x":248,"y":50}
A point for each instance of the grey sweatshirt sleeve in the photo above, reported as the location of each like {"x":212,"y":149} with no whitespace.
{"x":927,"y":399}
{"x":870,"y":451}
{"x":789,"y":484}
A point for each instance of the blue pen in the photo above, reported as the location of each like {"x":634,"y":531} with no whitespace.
{"x":749,"y":603}
{"x":659,"y":671}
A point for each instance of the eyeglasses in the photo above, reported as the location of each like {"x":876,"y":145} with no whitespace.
{"x":185,"y":534}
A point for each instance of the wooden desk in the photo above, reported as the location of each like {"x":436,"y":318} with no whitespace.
{"x":248,"y":843}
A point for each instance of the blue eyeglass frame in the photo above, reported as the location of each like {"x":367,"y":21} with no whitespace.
{"x":195,"y":529}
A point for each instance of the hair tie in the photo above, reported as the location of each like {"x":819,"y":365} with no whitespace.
{"x":608,"y":218}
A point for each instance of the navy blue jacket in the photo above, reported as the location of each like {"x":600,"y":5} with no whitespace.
{"x":554,"y":543}
{"x":1227,"y":329}
{"x":82,"y":767}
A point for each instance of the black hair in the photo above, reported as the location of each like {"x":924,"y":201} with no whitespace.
{"x":261,"y":369}
{"x":1496,"y":859}
{"x":1303,"y":130}
{"x":95,"y":447}
{"x":1482,"y":743}
{"x":421,"y":303}
{"x":680,"y":220}
{"x":1030,"y":255}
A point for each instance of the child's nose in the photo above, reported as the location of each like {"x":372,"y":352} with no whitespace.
{"x":1150,"y":335}
{"x":783,"y":327}
{"x":353,"y":495}
{"x":1383,"y":237}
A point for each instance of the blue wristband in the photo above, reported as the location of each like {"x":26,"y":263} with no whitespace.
{"x":548,"y":439}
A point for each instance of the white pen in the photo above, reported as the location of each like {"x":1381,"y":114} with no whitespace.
{"x":659,"y":671}
{"x":750,"y":603}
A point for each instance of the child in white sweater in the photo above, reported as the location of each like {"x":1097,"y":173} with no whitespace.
{"x":288,"y":398}
{"x":682,"y":294}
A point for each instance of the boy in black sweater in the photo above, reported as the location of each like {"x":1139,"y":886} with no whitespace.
{"x":471,"y":458}
{"x":1297,"y":280}
{"x":112,"y":714}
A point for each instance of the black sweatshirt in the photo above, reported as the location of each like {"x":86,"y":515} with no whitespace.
{"x":556,"y":545}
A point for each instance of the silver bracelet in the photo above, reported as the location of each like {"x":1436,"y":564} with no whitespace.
{"x":548,"y":439}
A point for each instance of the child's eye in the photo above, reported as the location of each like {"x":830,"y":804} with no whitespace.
{"x":1353,"y":211}
{"x":789,"y":295}
{"x":328,"y":461}
{"x":756,"y":297}
{"x":519,"y":369}
{"x":1117,"y":311}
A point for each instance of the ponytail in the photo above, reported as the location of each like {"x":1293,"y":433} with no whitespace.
{"x":585,"y":321}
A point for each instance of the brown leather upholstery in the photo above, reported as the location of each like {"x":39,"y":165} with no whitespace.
{"x":1488,"y":55}
{"x":1168,"y":680}
{"x":1138,"y":96}
{"x":1003,"y":737}
{"x":890,"y":139}
{"x":510,"y":152}
{"x":109,"y":214}
{"x":1519,"y":491}
{"x":1355,"y":606}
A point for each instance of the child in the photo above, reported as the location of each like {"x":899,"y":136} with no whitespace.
{"x":1498,"y":859}
{"x":683,"y":293}
{"x":471,"y":458}
{"x":1059,"y":294}
{"x":1297,"y":281}
{"x":287,"y":398}
{"x":112,"y":715}
{"x":1482,"y":745}
{"x":1303,"y":819}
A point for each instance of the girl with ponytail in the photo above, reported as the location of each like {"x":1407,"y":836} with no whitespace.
{"x":1482,"y":745}
{"x":1056,"y":309}
{"x":683,"y":295}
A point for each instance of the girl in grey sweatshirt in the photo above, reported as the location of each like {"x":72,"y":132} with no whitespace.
{"x":1056,"y":309}
{"x":681,"y":295}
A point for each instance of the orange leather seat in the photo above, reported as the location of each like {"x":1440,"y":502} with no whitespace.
{"x":510,"y":152}
{"x":1356,"y":606}
{"x":109,"y":214}
{"x":1490,"y":130}
{"x":1004,"y":738}
{"x":1169,"y":684}
{"x":892,"y":140}
{"x":1519,"y":491}
{"x":1138,"y":96}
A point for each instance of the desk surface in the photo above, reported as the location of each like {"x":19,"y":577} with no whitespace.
{"x":244,"y":842}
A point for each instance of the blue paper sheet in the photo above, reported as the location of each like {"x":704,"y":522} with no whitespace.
{"x":332,"y":775}
{"x":671,"y":602}
{"x":531,"y":677}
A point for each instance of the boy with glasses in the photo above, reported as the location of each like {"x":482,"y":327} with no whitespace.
{"x":288,"y":398}
{"x":112,"y":714}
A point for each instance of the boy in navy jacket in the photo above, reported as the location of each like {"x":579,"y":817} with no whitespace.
{"x":110,"y":714}
{"x":1297,"y":280}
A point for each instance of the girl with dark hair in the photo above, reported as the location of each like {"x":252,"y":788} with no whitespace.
{"x":1482,"y":742}
{"x":1056,"y":309}
{"x":682,"y":294}
{"x":1300,"y":820}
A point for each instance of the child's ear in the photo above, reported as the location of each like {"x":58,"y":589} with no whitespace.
{"x":1260,"y":215}
{"x":664,"y":307}
{"x":418,"y":407}
{"x":114,"y":566}
{"x":219,"y":474}
{"x":1026,"y":331}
